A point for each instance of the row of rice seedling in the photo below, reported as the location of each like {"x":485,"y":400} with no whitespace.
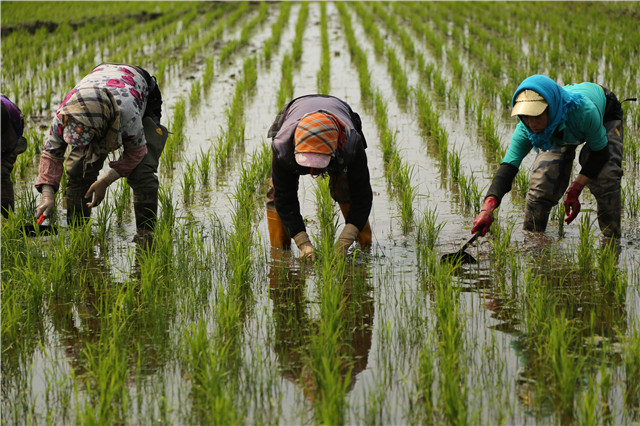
{"x":324,"y":73}
{"x":329,"y":367}
{"x":59,"y":70}
{"x":428,"y":117}
{"x":398,"y":173}
{"x":175,"y":332}
{"x":291,"y":61}
{"x":99,"y":363}
{"x":582,"y":233}
{"x":276,"y":32}
{"x":213,"y":362}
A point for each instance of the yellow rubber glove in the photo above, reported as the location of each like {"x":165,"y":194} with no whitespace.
{"x":304,"y":244}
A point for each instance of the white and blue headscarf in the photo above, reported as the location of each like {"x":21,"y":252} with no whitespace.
{"x":560,"y":101}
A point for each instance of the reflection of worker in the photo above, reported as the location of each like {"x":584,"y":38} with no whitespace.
{"x":116,"y":105}
{"x":554,"y":120}
{"x":294,"y":328}
{"x":318,"y":134}
{"x":79,"y":324}
{"x":594,"y":316}
{"x":13,"y":144}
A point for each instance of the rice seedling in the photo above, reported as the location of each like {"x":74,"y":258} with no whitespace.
{"x":204,"y":166}
{"x":97,"y":329}
{"x":324,"y":73}
{"x":122,"y":201}
{"x":585,"y":250}
{"x":188,"y":182}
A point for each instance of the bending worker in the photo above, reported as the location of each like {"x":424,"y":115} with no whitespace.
{"x":318,"y":134}
{"x":554,"y":120}
{"x":13,"y":144}
{"x":115,"y":106}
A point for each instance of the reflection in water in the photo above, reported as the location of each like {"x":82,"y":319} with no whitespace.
{"x":105,"y":322}
{"x":294,"y":327}
{"x":565,"y":322}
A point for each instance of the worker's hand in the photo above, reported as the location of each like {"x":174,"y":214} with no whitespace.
{"x":484,"y":220}
{"x":98,"y":190}
{"x":48,"y":201}
{"x":346,"y":238}
{"x":304,"y":244}
{"x":571,"y":202}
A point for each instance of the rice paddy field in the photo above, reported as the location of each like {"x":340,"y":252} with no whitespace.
{"x":208,"y":325}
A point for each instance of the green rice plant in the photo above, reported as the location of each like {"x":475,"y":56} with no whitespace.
{"x":108,"y":378}
{"x":399,"y":78}
{"x":453,"y":160}
{"x":566,"y":366}
{"x":472,"y":197}
{"x":195,"y":95}
{"x":207,"y":75}
{"x":326,"y":212}
{"x":166,"y":214}
{"x":521,"y":182}
{"x":490,"y":132}
{"x":631,"y":360}
{"x":427,"y":375}
{"x":103,"y":220}
{"x":630,"y":200}
{"x":276,"y":31}
{"x":286,"y":82}
{"x":204,"y":166}
{"x":428,"y":230}
{"x":501,"y":243}
{"x":585,"y":252}
{"x":407,"y":196}
{"x":323,"y":77}
{"x":301,"y":25}
{"x":609,"y":277}
{"x":331,"y":371}
{"x":188,"y":182}
{"x":453,"y":389}
{"x":176,"y":137}
{"x":122,"y":200}
{"x":212,"y":396}
{"x":588,"y":413}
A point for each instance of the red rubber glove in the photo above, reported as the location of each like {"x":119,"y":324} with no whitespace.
{"x":485,"y":218}
{"x":571,"y":202}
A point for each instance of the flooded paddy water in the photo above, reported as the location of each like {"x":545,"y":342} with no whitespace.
{"x":210,"y":325}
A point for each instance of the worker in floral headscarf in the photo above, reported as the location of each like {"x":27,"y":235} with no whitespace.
{"x":554,"y":120}
{"x":13,"y":144}
{"x":318,"y":134}
{"x":115,"y":107}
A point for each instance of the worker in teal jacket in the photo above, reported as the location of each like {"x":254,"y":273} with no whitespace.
{"x":554,"y":121}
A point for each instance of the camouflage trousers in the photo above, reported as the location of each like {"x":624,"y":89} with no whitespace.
{"x":550,"y":177}
{"x":143,"y":179}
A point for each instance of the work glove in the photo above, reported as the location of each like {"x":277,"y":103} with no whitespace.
{"x":304,"y":244}
{"x":98,"y":190}
{"x":47,"y":203}
{"x":571,"y":202}
{"x":346,"y":238}
{"x":485,"y":218}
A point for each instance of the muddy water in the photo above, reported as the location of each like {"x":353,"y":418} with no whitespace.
{"x":396,"y":307}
